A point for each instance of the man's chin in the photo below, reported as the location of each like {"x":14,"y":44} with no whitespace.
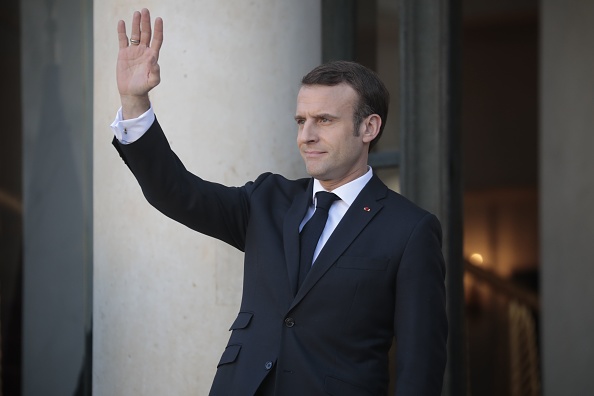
{"x":315,"y":173}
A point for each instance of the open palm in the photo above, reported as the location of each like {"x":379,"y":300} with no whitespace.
{"x":137,"y":68}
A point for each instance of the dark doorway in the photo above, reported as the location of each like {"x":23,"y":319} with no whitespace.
{"x":11,"y":220}
{"x":500,"y":167}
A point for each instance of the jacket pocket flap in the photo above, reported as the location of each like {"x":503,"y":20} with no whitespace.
{"x":242,"y":321}
{"x":230,"y":354}
{"x":363,"y":263}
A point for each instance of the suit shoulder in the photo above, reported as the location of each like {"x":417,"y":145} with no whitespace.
{"x":405,"y":207}
{"x":271,"y":182}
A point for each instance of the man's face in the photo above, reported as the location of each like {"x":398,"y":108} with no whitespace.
{"x":326,"y":136}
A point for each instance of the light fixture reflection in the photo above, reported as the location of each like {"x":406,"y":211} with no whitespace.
{"x":476,"y":258}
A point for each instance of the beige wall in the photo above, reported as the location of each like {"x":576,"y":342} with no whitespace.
{"x":164,"y":296}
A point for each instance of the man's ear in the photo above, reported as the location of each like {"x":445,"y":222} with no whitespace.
{"x":371,"y":127}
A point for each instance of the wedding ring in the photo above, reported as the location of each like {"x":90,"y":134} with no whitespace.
{"x":135,"y":42}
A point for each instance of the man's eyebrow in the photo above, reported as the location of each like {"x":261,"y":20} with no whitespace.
{"x":318,"y":116}
{"x":325,"y":115}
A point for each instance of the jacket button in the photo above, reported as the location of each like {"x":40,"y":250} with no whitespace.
{"x":289,"y":322}
{"x":268,"y":365}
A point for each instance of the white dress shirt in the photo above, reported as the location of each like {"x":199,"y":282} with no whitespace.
{"x":347,"y":194}
{"x":129,"y":131}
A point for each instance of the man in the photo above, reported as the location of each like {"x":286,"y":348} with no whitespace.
{"x":319,"y":311}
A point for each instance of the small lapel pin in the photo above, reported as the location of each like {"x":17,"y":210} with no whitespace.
{"x":367,"y":209}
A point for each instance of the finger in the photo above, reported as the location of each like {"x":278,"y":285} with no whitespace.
{"x":122,"y":38}
{"x":145,"y":27}
{"x":157,"y":37}
{"x":135,"y":33}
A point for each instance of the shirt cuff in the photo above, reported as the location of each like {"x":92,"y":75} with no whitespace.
{"x":129,"y":131}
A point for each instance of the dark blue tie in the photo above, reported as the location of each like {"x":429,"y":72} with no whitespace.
{"x":311,"y":232}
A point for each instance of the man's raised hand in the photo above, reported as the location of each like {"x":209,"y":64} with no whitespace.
{"x":138,"y":68}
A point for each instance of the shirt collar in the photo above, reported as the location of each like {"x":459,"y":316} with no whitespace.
{"x":349,"y":191}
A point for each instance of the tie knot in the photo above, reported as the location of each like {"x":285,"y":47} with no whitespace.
{"x":325,"y":199}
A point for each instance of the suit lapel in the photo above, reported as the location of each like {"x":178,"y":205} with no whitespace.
{"x":365,"y":207}
{"x":293,"y":218}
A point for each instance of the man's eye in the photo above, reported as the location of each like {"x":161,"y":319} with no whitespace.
{"x":324,"y":120}
{"x":300,"y":121}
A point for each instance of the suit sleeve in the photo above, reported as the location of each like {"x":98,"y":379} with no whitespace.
{"x":209,"y":208}
{"x":420,"y":320}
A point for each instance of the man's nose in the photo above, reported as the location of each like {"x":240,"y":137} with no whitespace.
{"x":308,"y":132}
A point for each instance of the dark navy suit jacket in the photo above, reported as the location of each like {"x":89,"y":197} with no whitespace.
{"x":380,"y":276}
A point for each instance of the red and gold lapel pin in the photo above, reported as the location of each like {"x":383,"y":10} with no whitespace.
{"x":367,"y":209}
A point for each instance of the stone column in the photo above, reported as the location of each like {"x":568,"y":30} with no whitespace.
{"x":430,"y":152}
{"x":566,"y":196}
{"x":164,"y":296}
{"x":56,"y":84}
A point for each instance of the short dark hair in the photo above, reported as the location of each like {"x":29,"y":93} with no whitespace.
{"x":373,"y":96}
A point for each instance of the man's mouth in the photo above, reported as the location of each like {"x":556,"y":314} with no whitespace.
{"x":313,"y":153}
